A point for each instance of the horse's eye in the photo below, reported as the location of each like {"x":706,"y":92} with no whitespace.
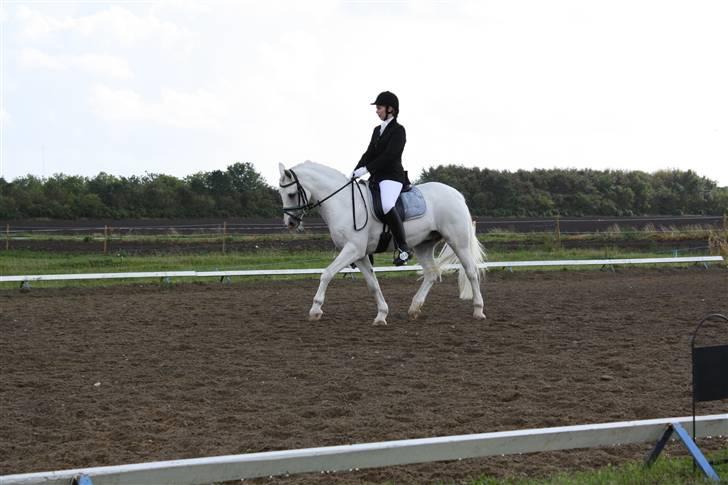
{"x":290,"y":196}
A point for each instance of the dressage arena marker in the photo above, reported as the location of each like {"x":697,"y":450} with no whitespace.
{"x":370,"y":455}
{"x":165,"y":275}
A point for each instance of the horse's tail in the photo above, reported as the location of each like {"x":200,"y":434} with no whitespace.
{"x":448,"y":257}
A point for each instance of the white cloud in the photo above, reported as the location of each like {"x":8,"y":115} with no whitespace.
{"x":118,"y":104}
{"x":118,"y":23}
{"x":189,"y":110}
{"x":197,"y":109}
{"x":33,"y":24}
{"x":187,"y":8}
{"x":35,"y":59}
{"x":99,"y":65}
{"x":103,"y":65}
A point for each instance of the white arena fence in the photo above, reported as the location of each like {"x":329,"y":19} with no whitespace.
{"x":379,"y":269}
{"x":369,"y":455}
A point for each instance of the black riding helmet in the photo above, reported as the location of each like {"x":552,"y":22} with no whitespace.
{"x":387,"y":98}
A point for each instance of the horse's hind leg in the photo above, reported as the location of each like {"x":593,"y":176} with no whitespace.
{"x":365,"y":266}
{"x":425,"y":257}
{"x":471,"y":271}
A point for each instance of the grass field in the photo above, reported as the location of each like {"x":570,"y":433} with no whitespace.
{"x":22,"y":262}
{"x":501,"y":246}
{"x":665,"y":471}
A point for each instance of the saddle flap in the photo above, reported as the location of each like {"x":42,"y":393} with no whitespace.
{"x":410,"y":204}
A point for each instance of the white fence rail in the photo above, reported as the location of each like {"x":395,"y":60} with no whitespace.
{"x":369,"y":455}
{"x":379,"y":269}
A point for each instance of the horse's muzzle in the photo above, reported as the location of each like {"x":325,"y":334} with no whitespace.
{"x":293,"y":223}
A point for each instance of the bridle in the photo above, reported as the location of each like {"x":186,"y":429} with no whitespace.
{"x":304,"y":206}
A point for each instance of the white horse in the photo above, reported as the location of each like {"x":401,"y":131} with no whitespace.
{"x":356,"y":233}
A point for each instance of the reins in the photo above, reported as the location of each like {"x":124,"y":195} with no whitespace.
{"x":353,"y":208}
{"x":304,"y":206}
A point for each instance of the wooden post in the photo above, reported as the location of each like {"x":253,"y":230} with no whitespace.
{"x":7,"y":237}
{"x":224,"y":233}
{"x":558,"y":232}
{"x":106,"y":232}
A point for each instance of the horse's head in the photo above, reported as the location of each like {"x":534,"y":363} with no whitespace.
{"x":294,"y":197}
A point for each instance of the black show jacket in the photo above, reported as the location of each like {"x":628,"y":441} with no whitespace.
{"x":383,"y":157}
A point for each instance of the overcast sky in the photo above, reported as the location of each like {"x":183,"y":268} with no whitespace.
{"x":179,"y":87}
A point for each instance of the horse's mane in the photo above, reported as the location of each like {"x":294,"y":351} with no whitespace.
{"x":328,"y":172}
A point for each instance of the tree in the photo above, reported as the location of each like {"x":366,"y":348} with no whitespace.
{"x":240,"y":191}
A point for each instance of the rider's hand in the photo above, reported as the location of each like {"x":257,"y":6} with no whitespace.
{"x":359,"y":172}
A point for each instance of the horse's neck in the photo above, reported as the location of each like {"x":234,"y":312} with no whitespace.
{"x":321,"y":186}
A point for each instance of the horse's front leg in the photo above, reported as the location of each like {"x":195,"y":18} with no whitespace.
{"x":348,"y":255}
{"x":365,"y":266}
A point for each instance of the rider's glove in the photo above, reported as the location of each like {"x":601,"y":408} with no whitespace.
{"x":359,"y":172}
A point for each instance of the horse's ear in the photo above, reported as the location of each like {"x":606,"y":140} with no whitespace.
{"x":282,"y":169}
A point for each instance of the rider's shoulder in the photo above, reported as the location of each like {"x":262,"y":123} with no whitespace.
{"x":399,"y":128}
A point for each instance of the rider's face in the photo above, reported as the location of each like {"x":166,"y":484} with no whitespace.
{"x":382,"y":112}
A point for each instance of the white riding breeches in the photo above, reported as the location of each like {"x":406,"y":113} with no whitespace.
{"x":389,"y":189}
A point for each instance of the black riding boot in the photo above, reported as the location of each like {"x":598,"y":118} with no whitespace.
{"x":400,"y":243}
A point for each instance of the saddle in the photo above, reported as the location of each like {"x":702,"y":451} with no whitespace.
{"x":410,"y":205}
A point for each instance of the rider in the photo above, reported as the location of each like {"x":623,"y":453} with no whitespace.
{"x":383,"y":159}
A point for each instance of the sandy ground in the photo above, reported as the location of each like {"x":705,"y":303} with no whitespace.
{"x":129,"y":374}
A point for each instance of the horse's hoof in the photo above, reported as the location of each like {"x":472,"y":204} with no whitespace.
{"x":414,"y":315}
{"x":479,"y":315}
{"x":314,"y":316}
{"x":378,"y":322}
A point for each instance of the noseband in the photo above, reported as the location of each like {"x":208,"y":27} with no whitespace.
{"x":304,"y":206}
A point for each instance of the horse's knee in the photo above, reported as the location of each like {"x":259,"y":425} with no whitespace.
{"x":431,"y":276}
{"x":471,"y":273}
{"x":326,"y":277}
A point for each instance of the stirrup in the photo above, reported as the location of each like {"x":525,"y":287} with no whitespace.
{"x":402,"y":257}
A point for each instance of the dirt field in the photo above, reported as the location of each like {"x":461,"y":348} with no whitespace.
{"x":129,"y":374}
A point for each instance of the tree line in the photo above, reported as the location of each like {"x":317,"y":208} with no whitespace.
{"x":240,"y":191}
{"x":572,"y":192}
